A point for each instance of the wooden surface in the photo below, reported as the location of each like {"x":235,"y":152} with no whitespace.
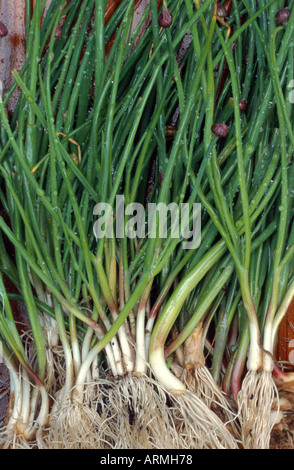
{"x":285,"y":346}
{"x":12,"y":50}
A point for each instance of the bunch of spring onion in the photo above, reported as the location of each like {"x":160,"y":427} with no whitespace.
{"x":113,"y":316}
{"x":261,"y":208}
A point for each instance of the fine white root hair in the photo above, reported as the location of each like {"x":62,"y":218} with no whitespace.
{"x":135,"y":407}
{"x":200,"y":382}
{"x":13,"y":440}
{"x":255,"y":400}
{"x":191,"y":369}
{"x":198,"y":426}
{"x":76,"y":425}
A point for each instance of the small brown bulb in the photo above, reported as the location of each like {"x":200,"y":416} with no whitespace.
{"x":282,"y":16}
{"x":242,"y":105}
{"x":222,"y":12}
{"x":3,"y":30}
{"x":220,"y":129}
{"x":165,"y":18}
